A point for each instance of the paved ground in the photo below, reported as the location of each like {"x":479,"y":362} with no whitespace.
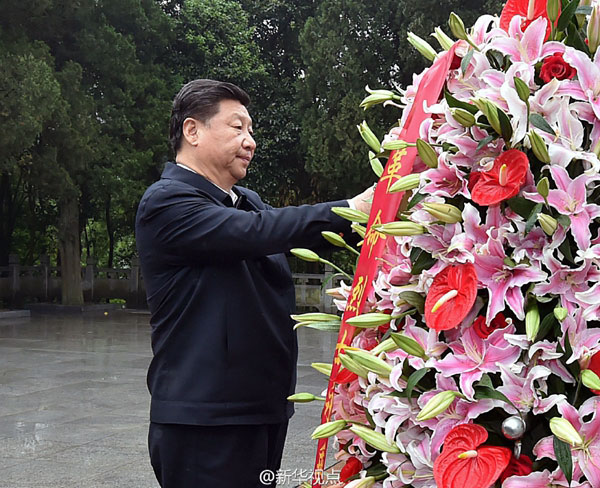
{"x":74,"y":404}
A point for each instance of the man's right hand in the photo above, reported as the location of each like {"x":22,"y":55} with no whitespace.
{"x":364,"y":200}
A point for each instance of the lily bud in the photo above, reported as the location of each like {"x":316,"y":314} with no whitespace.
{"x":367,"y":320}
{"x":441,"y":37}
{"x":400,"y":229}
{"x":328,"y":429}
{"x":376,"y":97}
{"x":408,"y":182}
{"x":564,"y":430}
{"x":359,"y":229}
{"x":305,"y":255}
{"x":376,"y":165}
{"x":522,"y":88}
{"x":396,"y":144}
{"x":437,"y":404}
{"x":324,"y":368}
{"x":315,"y":317}
{"x":590,"y":379}
{"x":548,"y":224}
{"x":427,"y":153}
{"x":374,"y":439}
{"x":367,"y":134}
{"x":409,"y":345}
{"x":385,"y":346}
{"x":560,"y":313}
{"x":552,"y":9}
{"x":463,"y":117}
{"x":543,"y":187}
{"x":539,"y":147}
{"x":532,"y":321}
{"x":302,"y":398}
{"x":422,"y":46}
{"x":351,"y":365}
{"x":333,"y":238}
{"x":593,"y":29}
{"x":444,"y":211}
{"x":457,"y":27}
{"x":370,"y":362}
{"x":351,"y":214}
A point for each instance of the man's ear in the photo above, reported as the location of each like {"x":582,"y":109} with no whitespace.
{"x":191,"y":131}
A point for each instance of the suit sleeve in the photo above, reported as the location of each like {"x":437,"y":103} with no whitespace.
{"x":186,"y":227}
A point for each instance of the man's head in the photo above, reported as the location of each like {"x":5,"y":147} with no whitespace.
{"x":211,"y":130}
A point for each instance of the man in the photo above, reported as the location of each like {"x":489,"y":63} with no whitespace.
{"x":220,"y":293}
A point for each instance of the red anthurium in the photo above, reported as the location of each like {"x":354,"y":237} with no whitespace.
{"x":503,"y":181}
{"x":517,"y":467}
{"x":451,"y":296}
{"x":530,"y":9}
{"x":483,"y":330}
{"x":595,"y":367}
{"x":353,"y":466}
{"x":463,"y":464}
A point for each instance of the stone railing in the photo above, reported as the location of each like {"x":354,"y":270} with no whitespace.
{"x":26,"y":284}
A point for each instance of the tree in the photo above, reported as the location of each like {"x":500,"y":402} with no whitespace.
{"x":345,"y":46}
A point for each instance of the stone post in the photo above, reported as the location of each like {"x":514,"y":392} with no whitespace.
{"x":134,"y":300}
{"x":45,"y":276}
{"x":88,"y":280}
{"x":14,"y":274}
{"x":326,"y":300}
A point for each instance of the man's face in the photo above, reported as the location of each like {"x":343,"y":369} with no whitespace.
{"x":225,"y":144}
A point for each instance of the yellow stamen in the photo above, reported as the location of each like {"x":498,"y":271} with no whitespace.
{"x":503,"y":175}
{"x":467,"y":454}
{"x":448,"y":296}
{"x":531,"y":10}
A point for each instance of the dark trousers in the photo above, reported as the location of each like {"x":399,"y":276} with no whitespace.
{"x":225,"y":456}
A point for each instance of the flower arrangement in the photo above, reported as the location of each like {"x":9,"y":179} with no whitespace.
{"x":477,"y":363}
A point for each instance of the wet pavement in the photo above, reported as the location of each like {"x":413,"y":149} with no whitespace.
{"x":74,"y":403}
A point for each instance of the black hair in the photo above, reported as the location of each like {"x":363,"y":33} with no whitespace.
{"x":200,"y":99}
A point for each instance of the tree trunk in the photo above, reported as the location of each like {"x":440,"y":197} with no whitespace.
{"x":111,"y":233}
{"x":70,"y":252}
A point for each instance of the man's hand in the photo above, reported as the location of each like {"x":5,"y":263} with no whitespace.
{"x":364,"y":201}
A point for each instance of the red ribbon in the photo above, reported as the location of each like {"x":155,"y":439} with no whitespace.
{"x":384,"y":209}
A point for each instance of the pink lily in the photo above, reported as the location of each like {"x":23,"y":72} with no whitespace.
{"x":565,"y":281}
{"x":523,"y":392}
{"x":446,"y":180}
{"x":504,"y":282}
{"x":472,"y":356}
{"x":591,"y":301}
{"x":584,"y":340}
{"x":460,"y":411}
{"x":527,"y":46}
{"x":588,"y":75}
{"x":447,"y":243}
{"x":571,"y":199}
{"x":587,"y":455}
{"x":542,"y":479}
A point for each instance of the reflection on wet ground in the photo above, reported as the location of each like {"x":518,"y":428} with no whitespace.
{"x":74,"y":403}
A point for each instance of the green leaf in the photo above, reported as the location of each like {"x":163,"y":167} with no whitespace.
{"x":574,"y":39}
{"x":496,"y":59}
{"x":413,"y":380}
{"x":545,"y":326}
{"x":565,"y":249}
{"x":533,"y":217}
{"x":464,"y":64}
{"x":505,"y":127}
{"x":423,"y":262}
{"x":415,"y":299}
{"x":540,"y":123}
{"x":484,"y":142}
{"x":562,"y":450}
{"x":485,"y":381}
{"x":482,"y":392}
{"x":415,"y":199}
{"x":454,"y":103}
{"x":567,"y":15}
{"x":522,"y":206}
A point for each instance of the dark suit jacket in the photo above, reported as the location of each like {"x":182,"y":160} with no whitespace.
{"x":220,"y":293}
